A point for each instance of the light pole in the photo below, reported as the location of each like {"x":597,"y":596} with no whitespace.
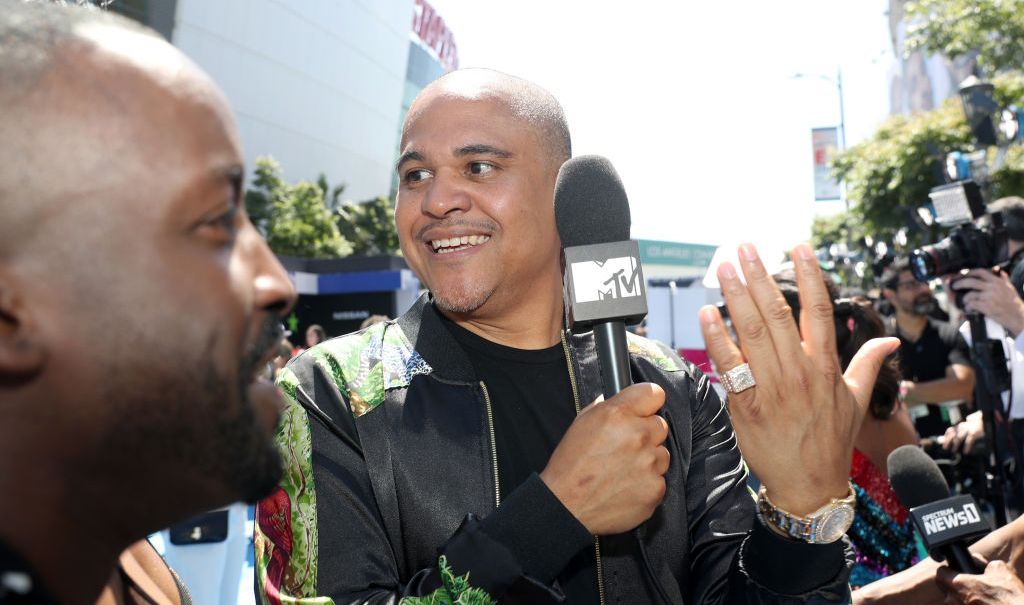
{"x":838,"y":83}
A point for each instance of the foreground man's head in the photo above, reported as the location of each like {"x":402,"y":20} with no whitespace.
{"x":480,"y":153}
{"x":138,"y":304}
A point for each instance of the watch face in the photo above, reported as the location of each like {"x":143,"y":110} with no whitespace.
{"x":834,"y":524}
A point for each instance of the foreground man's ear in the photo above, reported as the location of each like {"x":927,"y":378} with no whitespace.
{"x":21,"y":354}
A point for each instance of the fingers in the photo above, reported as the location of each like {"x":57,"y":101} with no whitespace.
{"x":944,"y":577}
{"x":642,"y":399}
{"x":863,"y":369}
{"x":816,"y":320}
{"x":950,"y":438}
{"x":720,"y":348}
{"x":969,"y":441}
{"x":662,"y":460}
{"x":774,"y":310}
{"x":754,"y":336}
{"x":969,"y":283}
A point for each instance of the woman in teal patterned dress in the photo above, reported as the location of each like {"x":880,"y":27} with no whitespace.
{"x":882,"y":533}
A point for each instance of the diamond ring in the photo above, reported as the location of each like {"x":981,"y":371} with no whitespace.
{"x":738,"y":379}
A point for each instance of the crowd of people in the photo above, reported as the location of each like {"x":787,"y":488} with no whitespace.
{"x":463,"y":452}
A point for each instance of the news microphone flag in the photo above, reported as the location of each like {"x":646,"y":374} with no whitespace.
{"x":945,"y":523}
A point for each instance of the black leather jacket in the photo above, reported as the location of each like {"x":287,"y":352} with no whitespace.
{"x":391,"y":490}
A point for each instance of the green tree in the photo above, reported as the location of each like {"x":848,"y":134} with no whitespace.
{"x":294,"y":218}
{"x":370,"y":226}
{"x":953,"y":28}
{"x":889,"y":175}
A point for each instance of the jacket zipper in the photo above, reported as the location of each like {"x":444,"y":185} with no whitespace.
{"x":576,"y":402}
{"x":494,"y":445}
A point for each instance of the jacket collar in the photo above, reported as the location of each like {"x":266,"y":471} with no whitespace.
{"x":425,"y":329}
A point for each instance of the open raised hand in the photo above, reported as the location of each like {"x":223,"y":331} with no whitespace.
{"x":797,"y":426}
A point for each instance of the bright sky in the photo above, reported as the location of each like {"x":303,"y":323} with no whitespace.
{"x":693,"y":101}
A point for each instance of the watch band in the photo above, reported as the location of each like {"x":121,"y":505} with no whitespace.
{"x":823,"y":526}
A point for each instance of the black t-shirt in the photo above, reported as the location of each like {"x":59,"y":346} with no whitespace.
{"x":939,"y":347}
{"x":532,"y":407}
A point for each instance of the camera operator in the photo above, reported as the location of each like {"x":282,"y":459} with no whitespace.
{"x":996,"y":294}
{"x":933,"y":357}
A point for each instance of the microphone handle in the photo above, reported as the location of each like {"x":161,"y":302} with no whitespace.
{"x":960,"y":559}
{"x":613,"y":354}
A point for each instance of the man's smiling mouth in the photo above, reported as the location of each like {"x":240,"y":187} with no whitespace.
{"x":453,"y":244}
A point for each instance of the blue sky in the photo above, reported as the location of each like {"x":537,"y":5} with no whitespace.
{"x":694,"y":101}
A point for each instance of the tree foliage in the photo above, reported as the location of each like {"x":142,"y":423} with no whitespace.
{"x":294,"y":218}
{"x":954,"y":28}
{"x":370,"y":226}
{"x":889,"y":175}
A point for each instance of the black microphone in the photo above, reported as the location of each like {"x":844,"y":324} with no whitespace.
{"x":604,"y":285}
{"x":946,"y":523}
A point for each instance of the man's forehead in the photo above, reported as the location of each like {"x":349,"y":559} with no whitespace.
{"x":473,"y":120}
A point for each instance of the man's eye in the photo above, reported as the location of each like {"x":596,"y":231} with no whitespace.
{"x":226,"y":223}
{"x":480,"y":168}
{"x":417,"y":175}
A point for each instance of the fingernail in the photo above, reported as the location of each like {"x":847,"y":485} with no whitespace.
{"x":727,"y":271}
{"x":748,"y":252}
{"x":804,"y":253}
{"x":707,"y":317}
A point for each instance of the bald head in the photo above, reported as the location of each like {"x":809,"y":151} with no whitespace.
{"x":528,"y":102}
{"x":85,"y":100}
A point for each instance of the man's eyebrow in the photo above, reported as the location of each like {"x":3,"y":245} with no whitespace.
{"x":482,"y":149}
{"x":408,"y":156}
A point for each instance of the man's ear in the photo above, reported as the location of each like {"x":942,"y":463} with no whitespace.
{"x":889,"y":295}
{"x":22,"y":354}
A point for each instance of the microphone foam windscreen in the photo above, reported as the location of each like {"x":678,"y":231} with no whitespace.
{"x":590,"y":203}
{"x":915,"y":477}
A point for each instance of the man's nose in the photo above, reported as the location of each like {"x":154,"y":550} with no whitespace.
{"x":446,"y":195}
{"x":274,"y":292}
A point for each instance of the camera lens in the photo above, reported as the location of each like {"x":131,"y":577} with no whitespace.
{"x":923,"y":265}
{"x":942,"y":258}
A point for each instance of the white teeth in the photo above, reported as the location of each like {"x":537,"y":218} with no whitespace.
{"x":457,"y":243}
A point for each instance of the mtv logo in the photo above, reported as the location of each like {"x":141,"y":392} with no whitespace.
{"x":613,"y":279}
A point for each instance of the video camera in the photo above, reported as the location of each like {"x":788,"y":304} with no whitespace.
{"x":978,"y":239}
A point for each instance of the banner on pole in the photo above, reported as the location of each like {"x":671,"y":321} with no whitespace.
{"x":825,"y":142}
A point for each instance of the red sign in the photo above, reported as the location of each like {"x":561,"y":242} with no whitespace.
{"x":431,"y":30}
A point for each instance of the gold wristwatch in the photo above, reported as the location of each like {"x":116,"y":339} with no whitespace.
{"x":823,"y":526}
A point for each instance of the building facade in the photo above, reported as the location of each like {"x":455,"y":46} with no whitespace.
{"x":320,"y":85}
{"x":920,"y":82}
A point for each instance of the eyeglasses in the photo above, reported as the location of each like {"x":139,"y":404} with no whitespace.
{"x":909,"y":285}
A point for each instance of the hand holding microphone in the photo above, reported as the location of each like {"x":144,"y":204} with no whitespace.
{"x":609,"y":468}
{"x":999,"y":585}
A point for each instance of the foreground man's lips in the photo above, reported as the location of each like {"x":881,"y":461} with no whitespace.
{"x":267,"y":401}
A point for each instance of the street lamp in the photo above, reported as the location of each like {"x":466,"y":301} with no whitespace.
{"x":838,"y":83}
{"x":980,"y":108}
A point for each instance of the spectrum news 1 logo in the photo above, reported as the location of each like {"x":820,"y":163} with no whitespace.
{"x":943,"y":520}
{"x":613,"y":279}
